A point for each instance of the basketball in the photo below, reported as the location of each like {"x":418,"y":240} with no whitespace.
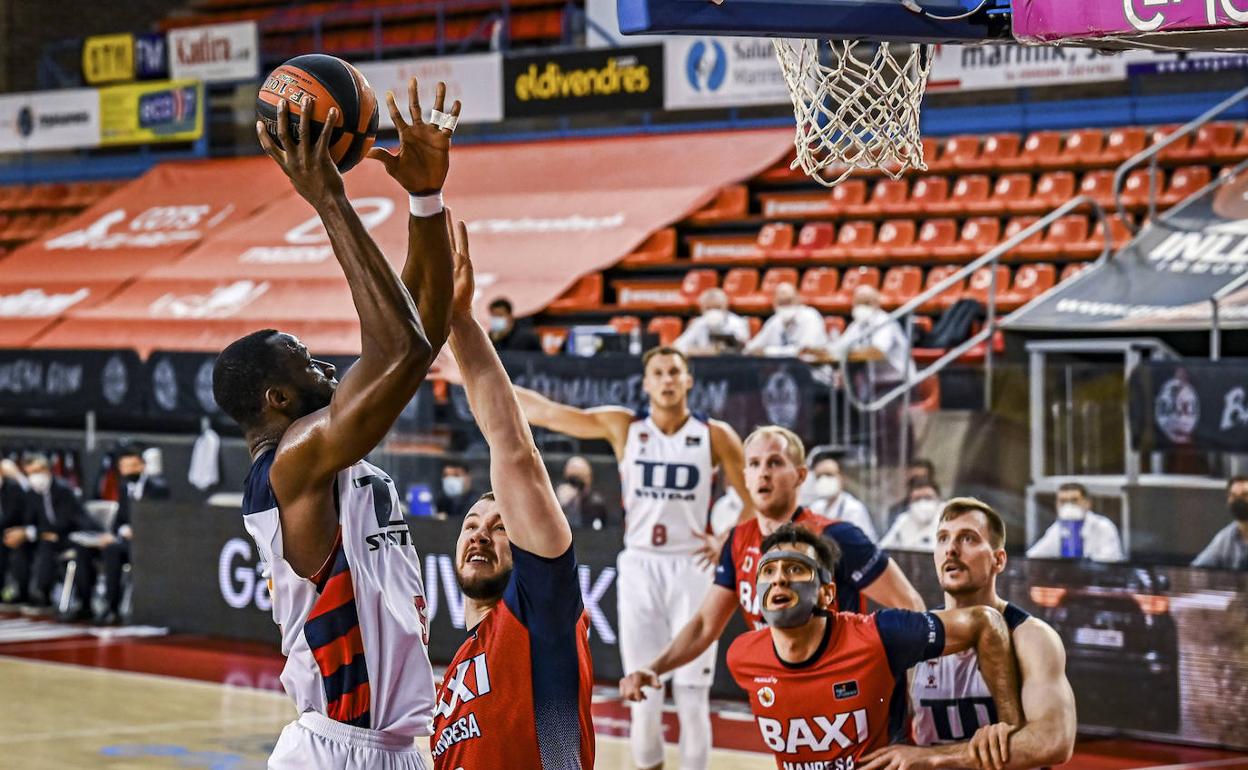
{"x":332,"y":83}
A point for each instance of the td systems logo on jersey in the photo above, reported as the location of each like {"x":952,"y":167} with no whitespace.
{"x":395,"y":532}
{"x":668,"y":481}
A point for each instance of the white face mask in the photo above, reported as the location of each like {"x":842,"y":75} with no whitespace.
{"x":715,"y":318}
{"x":453,"y":486}
{"x":1070,"y":512}
{"x":40,"y":482}
{"x":498,"y":324}
{"x":862,"y":312}
{"x":827,"y":487}
{"x":924,"y":510}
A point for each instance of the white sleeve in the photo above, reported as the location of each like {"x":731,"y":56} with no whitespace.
{"x":739,"y":327}
{"x":814,"y":331}
{"x":1108,"y":546}
{"x":892,"y":538}
{"x":694,"y":336}
{"x":1049,"y":546}
{"x":856,"y":513}
{"x":762,"y":340}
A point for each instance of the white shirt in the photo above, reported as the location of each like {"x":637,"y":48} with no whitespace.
{"x":1101,"y":541}
{"x":698,"y":334}
{"x":910,"y":534}
{"x":846,"y":507}
{"x":889,"y":339}
{"x":790,"y":333}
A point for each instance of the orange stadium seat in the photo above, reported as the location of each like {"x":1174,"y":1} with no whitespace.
{"x":1064,"y":233}
{"x":848,"y":194}
{"x":760,"y":301}
{"x":894,"y":236}
{"x":731,"y":202}
{"x":1030,"y":281}
{"x":585,"y":294}
{"x":1052,"y":190}
{"x":1184,"y":182}
{"x":1073,"y":269}
{"x":666,"y":327}
{"x":1083,"y":148}
{"x":979,"y":235}
{"x":696,"y":282}
{"x":854,"y":238}
{"x":740,"y":282}
{"x":1014,"y":227}
{"x":1213,"y":141}
{"x":887,"y":197}
{"x":948,"y":296}
{"x":1090,"y":248}
{"x":1099,"y":186}
{"x":1122,"y":143}
{"x":959,"y":152}
{"x":998,"y":150}
{"x":624,"y":324}
{"x":818,"y":285}
{"x":658,"y":249}
{"x":927,"y":190}
{"x":980,"y":285}
{"x":843,"y":299}
{"x":1135,"y":190}
{"x":1235,"y":153}
{"x":1041,"y":150}
{"x":756,"y":324}
{"x":934,"y":234}
{"x":1010,"y":190}
{"x":813,"y":236}
{"x":777,"y":236}
{"x":968,"y":194}
{"x":1174,"y":152}
{"x":900,"y":284}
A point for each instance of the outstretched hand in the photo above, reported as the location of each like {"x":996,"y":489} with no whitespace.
{"x":308,"y":164}
{"x":465,"y":283}
{"x":709,"y":548}
{"x":423,"y":158}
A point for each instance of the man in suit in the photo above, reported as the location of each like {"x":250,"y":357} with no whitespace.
{"x":56,"y":513}
{"x":16,"y":549}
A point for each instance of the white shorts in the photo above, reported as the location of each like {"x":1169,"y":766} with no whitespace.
{"x":657,"y":596}
{"x":316,"y":741}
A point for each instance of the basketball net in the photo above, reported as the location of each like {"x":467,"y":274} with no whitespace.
{"x":859,"y":109}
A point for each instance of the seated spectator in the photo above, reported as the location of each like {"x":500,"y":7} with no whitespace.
{"x":718,"y":330}
{"x":584,"y":507}
{"x":792,"y":330}
{"x":138,"y":481}
{"x":871,"y":329}
{"x":916,"y":468}
{"x":833,"y":500}
{"x":109,"y":547}
{"x":1229,"y":548}
{"x":509,"y":333}
{"x":458,"y":494}
{"x":17,"y":551}
{"x":915,"y":530}
{"x":57,"y":513}
{"x":1078,"y":533}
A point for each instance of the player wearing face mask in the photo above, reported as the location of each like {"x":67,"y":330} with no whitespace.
{"x":915,"y":529}
{"x":1078,"y":533}
{"x":793,"y":329}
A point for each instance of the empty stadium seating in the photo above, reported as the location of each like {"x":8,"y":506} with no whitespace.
{"x":28,"y":211}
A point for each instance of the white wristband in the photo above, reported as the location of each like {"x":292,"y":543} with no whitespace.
{"x":425,"y":205}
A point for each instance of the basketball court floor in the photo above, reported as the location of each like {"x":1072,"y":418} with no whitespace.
{"x":124,"y":699}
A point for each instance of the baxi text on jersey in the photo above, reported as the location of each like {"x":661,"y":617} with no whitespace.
{"x":816,"y":734}
{"x":460,"y":730}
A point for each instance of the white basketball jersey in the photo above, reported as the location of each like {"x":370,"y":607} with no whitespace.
{"x":949,"y":696}
{"x":356,"y":635}
{"x":666,"y":481}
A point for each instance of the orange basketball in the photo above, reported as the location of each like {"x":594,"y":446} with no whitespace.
{"x":331,"y":82}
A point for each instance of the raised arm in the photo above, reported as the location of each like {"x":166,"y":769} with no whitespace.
{"x":729,"y":455}
{"x":609,"y":423}
{"x":526,"y":499}
{"x":984,"y":630}
{"x":420,"y":166}
{"x":698,"y":634}
{"x":893,"y":589}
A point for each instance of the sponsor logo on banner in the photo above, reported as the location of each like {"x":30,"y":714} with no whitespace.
{"x":221,"y":302}
{"x":51,"y":120}
{"x":115,"y":381}
{"x":170,"y":111}
{"x":108,"y":58}
{"x":1177,"y":408}
{"x":151,"y":57}
{"x":35,"y":303}
{"x":721,"y":72}
{"x":974,"y":68}
{"x":584,"y":81}
{"x":475,"y":79}
{"x":153,"y":228}
{"x":215,"y":53}
{"x":307,"y":243}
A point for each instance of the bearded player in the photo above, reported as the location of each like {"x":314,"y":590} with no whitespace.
{"x":667,"y":457}
{"x":825,"y":686}
{"x":949,"y":697}
{"x":352,"y":619}
{"x":775,"y":467}
{"x":517,"y":693}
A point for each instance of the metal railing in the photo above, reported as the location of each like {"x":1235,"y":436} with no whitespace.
{"x":1150,"y":154}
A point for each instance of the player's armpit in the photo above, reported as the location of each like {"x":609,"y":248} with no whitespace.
{"x":728,"y":454}
{"x":1048,"y":737}
{"x":893,"y":589}
{"x":609,"y":423}
{"x":985,"y":630}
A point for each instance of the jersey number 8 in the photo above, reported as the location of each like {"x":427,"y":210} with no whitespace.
{"x":658,"y":535}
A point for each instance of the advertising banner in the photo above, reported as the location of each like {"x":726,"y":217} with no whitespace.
{"x":604,"y":80}
{"x":1197,"y":404}
{"x":701,"y":72}
{"x":151,"y":57}
{"x":108,"y":59}
{"x":475,"y":79}
{"x":974,"y":68}
{"x":1039,"y":21}
{"x":142,"y":113}
{"x":1163,"y":279}
{"x":50,"y":120}
{"x":69,"y":382}
{"x":215,"y":53}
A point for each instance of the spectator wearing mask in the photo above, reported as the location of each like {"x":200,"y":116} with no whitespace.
{"x":509,"y":333}
{"x":457,"y":494}
{"x":1078,"y":533}
{"x":584,"y":507}
{"x":793,"y":329}
{"x":1229,"y":548}
{"x":916,"y":468}
{"x":834,"y":501}
{"x":915,"y":530}
{"x":16,"y":550}
{"x":57,"y":513}
{"x":718,"y":330}
{"x":139,"y":481}
{"x":870,"y":329}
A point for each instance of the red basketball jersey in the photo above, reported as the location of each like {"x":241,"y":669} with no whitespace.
{"x":518,"y":692}
{"x":860,"y":564}
{"x":844,"y":702}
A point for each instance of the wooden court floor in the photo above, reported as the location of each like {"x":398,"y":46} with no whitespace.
{"x":73,"y":699}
